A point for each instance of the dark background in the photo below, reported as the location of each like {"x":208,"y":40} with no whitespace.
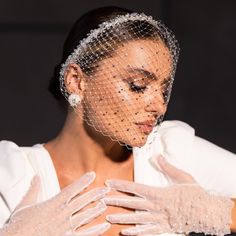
{"x":31,"y":38}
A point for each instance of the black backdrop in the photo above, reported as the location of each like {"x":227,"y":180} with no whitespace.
{"x":31,"y":39}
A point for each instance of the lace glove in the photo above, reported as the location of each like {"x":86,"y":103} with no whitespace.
{"x":180,"y":208}
{"x":60,"y":215}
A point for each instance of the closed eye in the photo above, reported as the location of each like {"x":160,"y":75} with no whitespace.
{"x":137,"y":88}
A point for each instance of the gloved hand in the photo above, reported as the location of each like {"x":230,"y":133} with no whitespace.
{"x":60,"y":215}
{"x":180,"y":208}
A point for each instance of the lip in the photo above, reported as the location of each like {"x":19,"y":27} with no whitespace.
{"x":146,"y":126}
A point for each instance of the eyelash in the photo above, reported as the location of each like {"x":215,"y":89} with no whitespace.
{"x":136,"y":88}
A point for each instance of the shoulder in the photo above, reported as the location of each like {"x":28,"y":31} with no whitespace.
{"x":179,"y":137}
{"x":179,"y":141}
{"x":16,"y":172}
{"x":171,"y":124}
{"x":176,"y":135}
{"x":206,"y":161}
{"x":18,"y":165}
{"x":171,"y":138}
{"x":212,"y":167}
{"x":12,"y":163}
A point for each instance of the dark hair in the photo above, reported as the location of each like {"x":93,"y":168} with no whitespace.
{"x":80,"y":29}
{"x":88,"y":61}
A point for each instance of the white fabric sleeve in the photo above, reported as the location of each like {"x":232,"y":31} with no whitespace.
{"x":213,"y":167}
{"x":16,"y":175}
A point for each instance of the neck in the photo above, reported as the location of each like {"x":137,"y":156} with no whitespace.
{"x":77,"y":150}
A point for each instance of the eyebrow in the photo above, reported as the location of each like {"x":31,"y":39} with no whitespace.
{"x":146,"y":73}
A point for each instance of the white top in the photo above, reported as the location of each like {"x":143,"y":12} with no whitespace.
{"x":213,"y":167}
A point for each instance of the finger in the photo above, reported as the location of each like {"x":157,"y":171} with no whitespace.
{"x":136,"y":218}
{"x":174,"y":173}
{"x":128,"y":202}
{"x":87,"y":216}
{"x":95,"y":230}
{"x":32,"y":194}
{"x":77,"y":187}
{"x":140,"y":190}
{"x":93,"y":195}
{"x":151,"y":229}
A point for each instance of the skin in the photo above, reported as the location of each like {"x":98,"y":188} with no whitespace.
{"x":69,"y":150}
{"x":110,"y":103}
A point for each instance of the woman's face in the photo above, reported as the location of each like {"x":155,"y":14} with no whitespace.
{"x":125,"y":96}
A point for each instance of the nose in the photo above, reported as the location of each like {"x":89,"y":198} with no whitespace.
{"x":156,"y":105}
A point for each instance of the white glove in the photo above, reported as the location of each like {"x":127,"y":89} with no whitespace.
{"x":60,"y":215}
{"x":180,"y":208}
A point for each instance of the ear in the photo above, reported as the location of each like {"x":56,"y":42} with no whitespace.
{"x":74,"y":80}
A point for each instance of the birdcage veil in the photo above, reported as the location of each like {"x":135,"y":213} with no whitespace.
{"x":109,"y":43}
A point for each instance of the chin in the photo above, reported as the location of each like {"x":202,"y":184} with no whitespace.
{"x":132,"y":138}
{"x":137,"y":142}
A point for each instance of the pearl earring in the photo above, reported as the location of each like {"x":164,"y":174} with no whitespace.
{"x":74,"y":99}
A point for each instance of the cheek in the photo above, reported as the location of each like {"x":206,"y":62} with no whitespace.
{"x":106,"y":104}
{"x":128,"y":99}
{"x":114,"y":97}
{"x":114,"y":111}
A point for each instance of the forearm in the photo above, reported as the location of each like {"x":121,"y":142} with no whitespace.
{"x":233,"y":225}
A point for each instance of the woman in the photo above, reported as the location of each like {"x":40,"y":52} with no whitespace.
{"x":117,"y":80}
